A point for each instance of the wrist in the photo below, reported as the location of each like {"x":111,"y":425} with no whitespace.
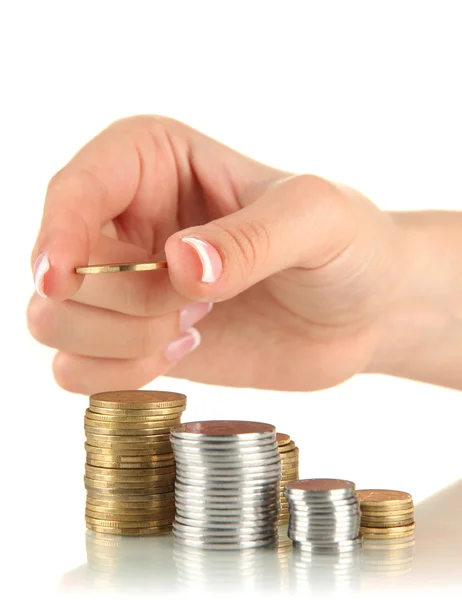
{"x":421,"y":331}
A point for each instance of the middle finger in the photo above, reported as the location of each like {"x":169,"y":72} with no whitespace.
{"x":89,"y":331}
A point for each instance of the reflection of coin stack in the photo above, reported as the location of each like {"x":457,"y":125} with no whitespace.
{"x":386,"y":514}
{"x":289,"y":469}
{"x":321,"y":571}
{"x":117,"y":563}
{"x":284,"y":550}
{"x":324,"y":515}
{"x":387,"y":557}
{"x":130,"y":467}
{"x":227,"y":485}
{"x":201,"y":569}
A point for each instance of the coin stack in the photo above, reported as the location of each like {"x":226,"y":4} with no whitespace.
{"x":386,"y":514}
{"x":130,"y":467}
{"x":324,"y":515}
{"x":227,"y":484}
{"x":289,"y":469}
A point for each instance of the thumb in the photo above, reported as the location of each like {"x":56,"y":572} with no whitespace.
{"x":301,"y":221}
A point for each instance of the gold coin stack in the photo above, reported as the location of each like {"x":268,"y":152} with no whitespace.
{"x":386,"y":514}
{"x":130,"y":466}
{"x":289,"y":469}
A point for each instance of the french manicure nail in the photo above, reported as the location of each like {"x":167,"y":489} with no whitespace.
{"x":192,"y":313}
{"x":41,"y":267}
{"x":183,"y":345}
{"x":212,"y":266}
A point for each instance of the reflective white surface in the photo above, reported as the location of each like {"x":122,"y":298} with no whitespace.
{"x":130,"y":567}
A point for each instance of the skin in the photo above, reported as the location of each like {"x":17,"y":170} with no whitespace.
{"x":317,"y":285}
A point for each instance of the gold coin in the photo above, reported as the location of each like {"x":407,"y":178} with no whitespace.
{"x":161,"y":482}
{"x":384,"y":498}
{"x":106,"y":464}
{"x":128,"y":454}
{"x":151,"y":443}
{"x":131,"y":530}
{"x":125,"y":432}
{"x":370,"y":512}
{"x":282,"y":439}
{"x":388,"y":531}
{"x":119,"y":268}
{"x":141,"y":502}
{"x":121,"y":524}
{"x":287,"y":447}
{"x":130,"y":482}
{"x":131,"y":425}
{"x":386,"y":524}
{"x":126,"y":517}
{"x":133,"y":412}
{"x":125,"y":474}
{"x":122,"y":420}
{"x":137,"y":399}
{"x":128,"y":462}
{"x":166,"y":508}
{"x":128,"y":495}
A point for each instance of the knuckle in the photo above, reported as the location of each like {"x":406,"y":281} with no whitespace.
{"x":249,"y":244}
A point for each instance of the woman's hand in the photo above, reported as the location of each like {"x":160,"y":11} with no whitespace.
{"x":301,"y":272}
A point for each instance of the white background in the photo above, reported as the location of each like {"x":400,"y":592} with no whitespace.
{"x":363,"y":92}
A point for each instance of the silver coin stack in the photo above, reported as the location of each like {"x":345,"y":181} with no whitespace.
{"x":324,"y":515}
{"x":227,"y":484}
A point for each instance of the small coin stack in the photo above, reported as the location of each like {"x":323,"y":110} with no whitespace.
{"x":324,"y":515}
{"x":227,"y":484}
{"x":130,"y":467}
{"x":289,"y":469}
{"x":386,"y":514}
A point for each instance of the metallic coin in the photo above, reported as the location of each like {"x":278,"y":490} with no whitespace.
{"x":127,"y":522}
{"x":229,"y":526}
{"x":391,"y":499}
{"x":221,"y":487}
{"x":379,"y":523}
{"x":225,"y":502}
{"x":224,"y":461}
{"x":282,"y":439}
{"x":229,"y":448}
{"x":124,"y":516}
{"x":405,"y":512}
{"x":239,"y":474}
{"x":220,"y":545}
{"x":153,"y":481}
{"x":140,"y":502}
{"x":162,"y":509}
{"x":325,"y":488}
{"x":130,"y":530}
{"x":387,"y":532}
{"x":219,"y":430}
{"x":127,"y":466}
{"x":342,"y":546}
{"x":287,"y":448}
{"x":125,"y":474}
{"x":125,"y":432}
{"x":122,"y":420}
{"x":134,"y":427}
{"x":243,"y":511}
{"x":130,"y":454}
{"x":137,"y":399}
{"x":119,"y":268}
{"x":114,"y":480}
{"x":102,"y":487}
{"x":218,"y":532}
{"x":141,"y":412}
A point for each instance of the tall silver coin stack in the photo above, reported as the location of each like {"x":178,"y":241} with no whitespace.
{"x":227,"y":484}
{"x":324,"y":515}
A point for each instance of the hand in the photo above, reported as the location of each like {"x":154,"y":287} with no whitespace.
{"x":300,"y":271}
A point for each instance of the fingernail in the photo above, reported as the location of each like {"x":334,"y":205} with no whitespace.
{"x":192,"y":313}
{"x":186,"y":343}
{"x":212,"y":267}
{"x":41,"y":266}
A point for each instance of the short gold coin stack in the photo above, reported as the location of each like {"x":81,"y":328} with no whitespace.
{"x":386,"y":514}
{"x":130,"y":466}
{"x":289,"y":469}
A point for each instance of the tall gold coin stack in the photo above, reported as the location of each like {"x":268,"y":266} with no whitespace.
{"x":130,"y":466}
{"x":386,"y":514}
{"x":289,"y":469}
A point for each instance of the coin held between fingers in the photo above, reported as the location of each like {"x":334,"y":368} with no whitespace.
{"x":121,"y":267}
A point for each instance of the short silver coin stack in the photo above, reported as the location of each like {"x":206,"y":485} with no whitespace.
{"x":227,"y":484}
{"x":324,"y":515}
